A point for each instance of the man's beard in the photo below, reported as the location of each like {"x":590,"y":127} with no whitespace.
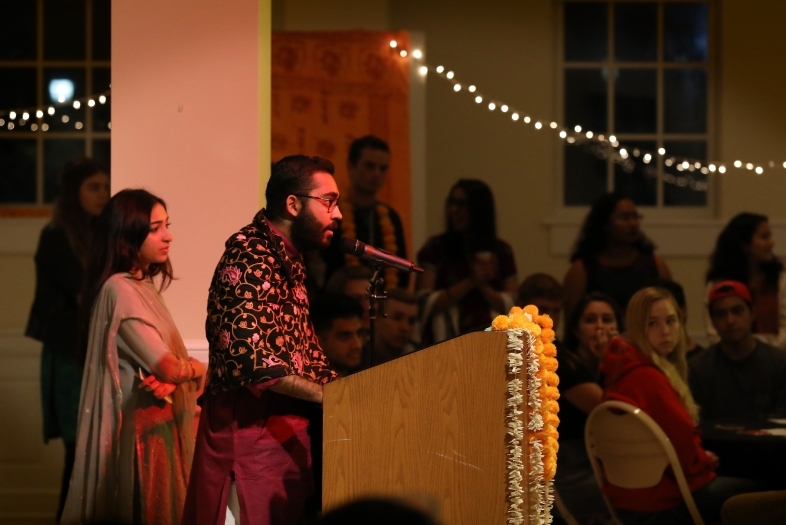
{"x":307,"y":233}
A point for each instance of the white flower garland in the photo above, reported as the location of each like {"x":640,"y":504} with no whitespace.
{"x":540,"y":491}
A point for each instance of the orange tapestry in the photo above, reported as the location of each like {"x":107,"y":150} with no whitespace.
{"x":331,"y":88}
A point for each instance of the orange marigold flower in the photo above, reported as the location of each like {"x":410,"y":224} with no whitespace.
{"x":500,"y":323}
{"x":548,"y":335}
{"x":518,"y":321}
{"x":550,"y":350}
{"x":551,"y":419}
{"x":550,"y":471}
{"x":552,"y":442}
{"x":550,"y":364}
{"x":549,"y":392}
{"x":532,"y":328}
{"x":532,"y":310}
{"x":552,"y":379}
{"x":515,"y":310}
{"x":545,"y":321}
{"x":542,"y":373}
{"x":551,"y":406}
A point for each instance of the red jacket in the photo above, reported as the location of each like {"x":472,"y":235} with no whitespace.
{"x":632,"y":377}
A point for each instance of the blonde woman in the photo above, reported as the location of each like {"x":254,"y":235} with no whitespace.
{"x":647,"y":369}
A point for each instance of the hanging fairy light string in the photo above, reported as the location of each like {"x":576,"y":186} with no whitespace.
{"x":14,"y":118}
{"x":607,"y":147}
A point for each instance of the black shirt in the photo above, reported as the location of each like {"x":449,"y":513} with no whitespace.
{"x":572,"y":372}
{"x":752,"y":388}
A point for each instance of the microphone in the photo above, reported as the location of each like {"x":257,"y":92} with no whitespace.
{"x":358,"y":249}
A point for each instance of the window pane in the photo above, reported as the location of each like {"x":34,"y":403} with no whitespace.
{"x":64,"y":29}
{"x":586,"y":32}
{"x":102,"y":18}
{"x":56,"y":154}
{"x":635,"y":101}
{"x":17,"y":171}
{"x":17,"y":87}
{"x":586,"y":98}
{"x":18,"y":30}
{"x":685,"y":32}
{"x":635,"y":178}
{"x":101,"y":112}
{"x":685,"y":187}
{"x":635,"y":32}
{"x":65,"y":117}
{"x":685,"y":100}
{"x":585,"y":176}
{"x":102,"y":152}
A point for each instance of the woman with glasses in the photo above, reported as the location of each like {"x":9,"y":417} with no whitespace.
{"x":470,"y":274}
{"x":612,"y":255}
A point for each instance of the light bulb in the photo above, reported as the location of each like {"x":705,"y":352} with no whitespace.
{"x":571,"y":140}
{"x":492,"y":106}
{"x":503,"y":108}
{"x":661,"y":151}
{"x":712,"y":167}
{"x":51,"y":110}
{"x":722,"y":169}
{"x":456,"y":87}
{"x":77,"y":104}
{"x":473,"y":88}
{"x":450,"y":74}
{"x":393,"y":43}
{"x":515,"y":116}
{"x":578,"y":129}
{"x":623,"y":153}
{"x":102,"y":99}
{"x":440,"y":69}
{"x":759,"y":170}
{"x":538,"y":125}
{"x":737,"y":164}
{"x":553,"y":125}
{"x":423,"y":70}
{"x":34,"y":127}
{"x":478,"y":99}
{"x":44,"y":127}
{"x":10,"y":125}
{"x":403,"y":53}
{"x":78,"y":125}
{"x":749,"y":166}
{"x":91,"y":102}
{"x":39,"y":114}
{"x":12,"y":115}
{"x":65,"y":119}
{"x":417,"y":53}
{"x":25,"y":115}
{"x":697,"y":165}
{"x":589,"y":134}
{"x":685,"y":164}
{"x":562,"y":134}
{"x":527,"y":120}
{"x":669,"y":162}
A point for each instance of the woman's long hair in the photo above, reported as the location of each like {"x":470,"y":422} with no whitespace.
{"x":68,"y":212}
{"x":729,"y":260}
{"x":481,"y":234}
{"x":593,"y":235}
{"x":120,"y":231}
{"x":571,"y":337}
{"x":674,"y":365}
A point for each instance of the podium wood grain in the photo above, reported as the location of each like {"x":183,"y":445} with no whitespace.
{"x":430,"y":424}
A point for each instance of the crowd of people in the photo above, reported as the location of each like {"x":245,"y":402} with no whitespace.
{"x":288,"y":311}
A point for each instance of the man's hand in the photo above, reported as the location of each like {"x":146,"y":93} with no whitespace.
{"x":298,"y":387}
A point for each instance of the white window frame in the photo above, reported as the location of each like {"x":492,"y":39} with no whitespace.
{"x":40,"y":64}
{"x":571,"y":215}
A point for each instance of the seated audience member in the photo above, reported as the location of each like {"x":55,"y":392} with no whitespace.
{"x":339,"y":327}
{"x":395,"y":332}
{"x":739,"y":377}
{"x":676,"y":291}
{"x":648,"y":370}
{"x":470,"y":273}
{"x":545,"y":292}
{"x":591,"y":325}
{"x":612,"y":254}
{"x":760,"y":508}
{"x":352,"y":281}
{"x":744,"y":253}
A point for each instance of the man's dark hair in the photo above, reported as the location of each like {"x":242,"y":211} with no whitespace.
{"x":540,"y":286}
{"x":369,"y":141}
{"x":676,"y":291}
{"x":327,"y":308}
{"x":292,"y":175}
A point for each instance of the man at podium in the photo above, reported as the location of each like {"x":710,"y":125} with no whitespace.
{"x":266,"y":370}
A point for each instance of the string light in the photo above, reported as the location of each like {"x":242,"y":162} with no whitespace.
{"x":478,"y":99}
{"x":450,"y":74}
{"x":562,"y":134}
{"x":473,"y":88}
{"x":749,"y":166}
{"x":91,"y":102}
{"x":45,"y":127}
{"x":577,"y":129}
{"x":77,"y":104}
{"x":759,"y":170}
{"x":456,"y":87}
{"x":737,"y":164}
{"x":440,"y":69}
{"x":589,"y":134}
{"x":661,"y":151}
{"x":492,"y":106}
{"x":39,"y":114}
{"x":403,"y":53}
{"x":515,"y":116}
{"x":25,"y":115}
{"x":393,"y":44}
{"x":51,"y":110}
{"x":527,"y":120}
{"x":12,"y":115}
{"x":722,"y":169}
{"x":78,"y":125}
{"x":423,"y":70}
{"x":417,"y":53}
{"x":553,"y":125}
{"x":538,"y":125}
{"x":102,"y":98}
{"x":503,"y":108}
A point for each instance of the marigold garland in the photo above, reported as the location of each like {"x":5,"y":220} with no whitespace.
{"x":531,"y":332}
{"x":388,"y":237}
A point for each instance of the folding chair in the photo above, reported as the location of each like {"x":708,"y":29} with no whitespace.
{"x":633,"y":451}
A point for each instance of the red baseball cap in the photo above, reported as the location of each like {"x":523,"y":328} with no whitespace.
{"x":729,"y":288}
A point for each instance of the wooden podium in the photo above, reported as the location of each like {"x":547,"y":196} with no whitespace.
{"x":430,"y":424}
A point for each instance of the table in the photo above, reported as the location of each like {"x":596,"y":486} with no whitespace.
{"x":746,"y":450}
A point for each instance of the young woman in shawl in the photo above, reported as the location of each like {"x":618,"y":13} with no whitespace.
{"x":135,"y":436}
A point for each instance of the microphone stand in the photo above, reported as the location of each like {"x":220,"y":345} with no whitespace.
{"x":375,"y":292}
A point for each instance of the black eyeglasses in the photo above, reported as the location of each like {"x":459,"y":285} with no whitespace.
{"x":330,"y":203}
